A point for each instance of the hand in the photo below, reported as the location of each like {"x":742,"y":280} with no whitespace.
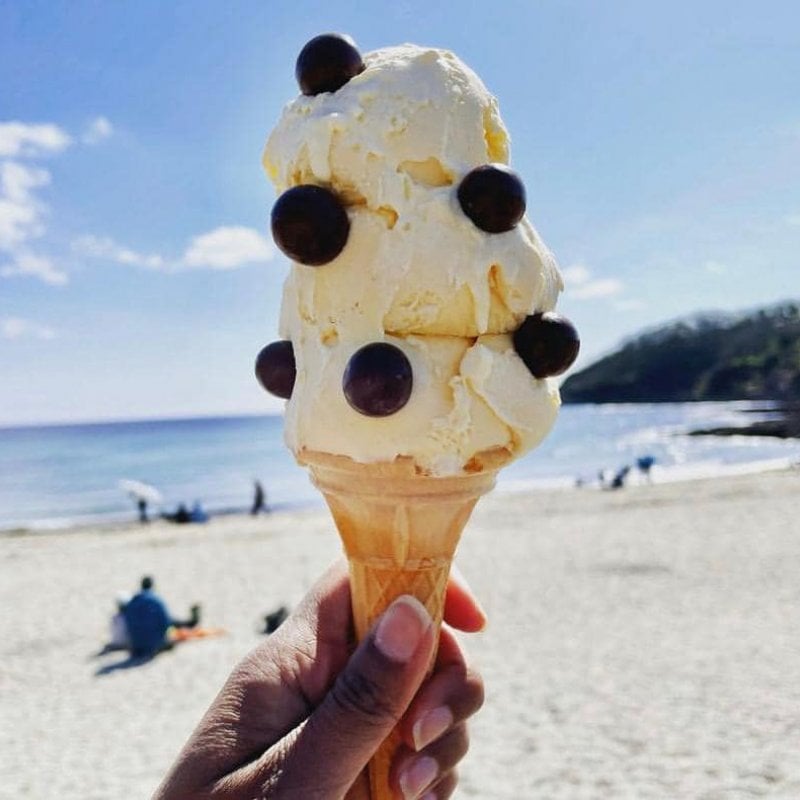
{"x":302,"y":715}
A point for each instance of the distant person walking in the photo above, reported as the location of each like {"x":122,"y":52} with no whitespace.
{"x":618,"y":481}
{"x":143,"y":495}
{"x":645,"y":464}
{"x":259,"y":499}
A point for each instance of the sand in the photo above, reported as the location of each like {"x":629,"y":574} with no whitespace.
{"x":642,"y":643}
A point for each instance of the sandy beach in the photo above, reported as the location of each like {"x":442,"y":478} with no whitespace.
{"x":642,"y":643}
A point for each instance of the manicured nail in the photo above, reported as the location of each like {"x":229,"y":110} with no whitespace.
{"x":417,"y":777}
{"x":430,"y":726}
{"x":428,"y":796}
{"x":401,"y":628}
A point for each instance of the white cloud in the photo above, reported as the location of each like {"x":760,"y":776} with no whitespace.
{"x":20,"y":211}
{"x":576,"y":274}
{"x":17,"y":180}
{"x":18,"y":328}
{"x":20,"y":139}
{"x":21,"y":220}
{"x":103,"y":247}
{"x":228,"y":247}
{"x":26,"y":264}
{"x":22,"y":215}
{"x":582,"y":286}
{"x":97,"y":130}
{"x":602,"y":287}
{"x":715,"y":267}
{"x":224,"y":248}
{"x":793,"y":220}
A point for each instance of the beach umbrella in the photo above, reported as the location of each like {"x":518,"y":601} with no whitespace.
{"x":141,"y":491}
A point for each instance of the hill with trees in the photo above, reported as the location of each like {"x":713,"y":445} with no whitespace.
{"x":748,"y":356}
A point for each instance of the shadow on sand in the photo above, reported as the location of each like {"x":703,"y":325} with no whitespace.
{"x":128,"y":662}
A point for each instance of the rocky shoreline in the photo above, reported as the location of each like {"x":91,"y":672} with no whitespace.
{"x":783,"y":423}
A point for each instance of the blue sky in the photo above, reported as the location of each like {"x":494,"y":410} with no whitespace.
{"x":659,"y":144}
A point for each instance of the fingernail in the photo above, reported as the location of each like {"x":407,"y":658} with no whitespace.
{"x":417,"y":777}
{"x":430,"y":726}
{"x":428,"y":796}
{"x":401,"y":628}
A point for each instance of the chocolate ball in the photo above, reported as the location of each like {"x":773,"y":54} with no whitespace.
{"x":548,"y":344}
{"x":310,"y":224}
{"x":275,"y":368}
{"x":378,"y":380}
{"x":326,"y":63}
{"x":493,"y":197}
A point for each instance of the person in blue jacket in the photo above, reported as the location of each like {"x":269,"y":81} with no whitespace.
{"x":148,"y":621}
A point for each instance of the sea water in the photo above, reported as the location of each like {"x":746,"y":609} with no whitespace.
{"x":61,"y":475}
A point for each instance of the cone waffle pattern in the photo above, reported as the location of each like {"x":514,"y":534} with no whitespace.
{"x":373,"y":589}
{"x":400,"y":531}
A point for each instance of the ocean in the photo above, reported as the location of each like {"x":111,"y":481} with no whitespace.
{"x":58,"y":476}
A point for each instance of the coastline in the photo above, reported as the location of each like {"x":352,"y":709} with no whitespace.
{"x":641,"y":642}
{"x":781,"y":420}
{"x":127,"y":521}
{"x":45,"y":485}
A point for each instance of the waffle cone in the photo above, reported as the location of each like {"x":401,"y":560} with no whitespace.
{"x":400,"y":530}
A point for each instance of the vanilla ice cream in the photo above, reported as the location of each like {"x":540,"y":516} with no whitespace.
{"x":393,"y":144}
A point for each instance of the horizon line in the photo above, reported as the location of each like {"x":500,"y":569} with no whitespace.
{"x":68,"y":423}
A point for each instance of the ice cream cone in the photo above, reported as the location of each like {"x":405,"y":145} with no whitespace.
{"x":400,"y":531}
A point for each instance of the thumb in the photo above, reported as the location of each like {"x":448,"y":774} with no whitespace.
{"x":364,"y":705}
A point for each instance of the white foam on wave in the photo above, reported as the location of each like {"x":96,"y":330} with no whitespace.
{"x":675,"y":473}
{"x":61,"y":524}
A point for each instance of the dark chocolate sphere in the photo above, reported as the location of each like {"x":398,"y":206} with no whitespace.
{"x":493,"y":197}
{"x":547,"y":343}
{"x":326,"y":63}
{"x":310,"y":224}
{"x":378,"y":380}
{"x":275,"y":368}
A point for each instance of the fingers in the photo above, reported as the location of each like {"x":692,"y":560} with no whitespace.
{"x":415,"y":775}
{"x":371,"y":694}
{"x":434,"y":728}
{"x":444,"y":788}
{"x":452,"y":694}
{"x":258,"y":731}
{"x":461,"y":609}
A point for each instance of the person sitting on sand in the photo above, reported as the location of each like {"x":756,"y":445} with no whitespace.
{"x":181,"y":515}
{"x":198,"y":514}
{"x":148,"y":621}
{"x":120,"y":638}
{"x":275,"y":619}
{"x":309,"y":725}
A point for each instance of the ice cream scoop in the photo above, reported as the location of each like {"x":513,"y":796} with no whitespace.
{"x":405,"y":225}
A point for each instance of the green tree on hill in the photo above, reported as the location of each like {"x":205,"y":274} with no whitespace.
{"x":753,"y":356}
